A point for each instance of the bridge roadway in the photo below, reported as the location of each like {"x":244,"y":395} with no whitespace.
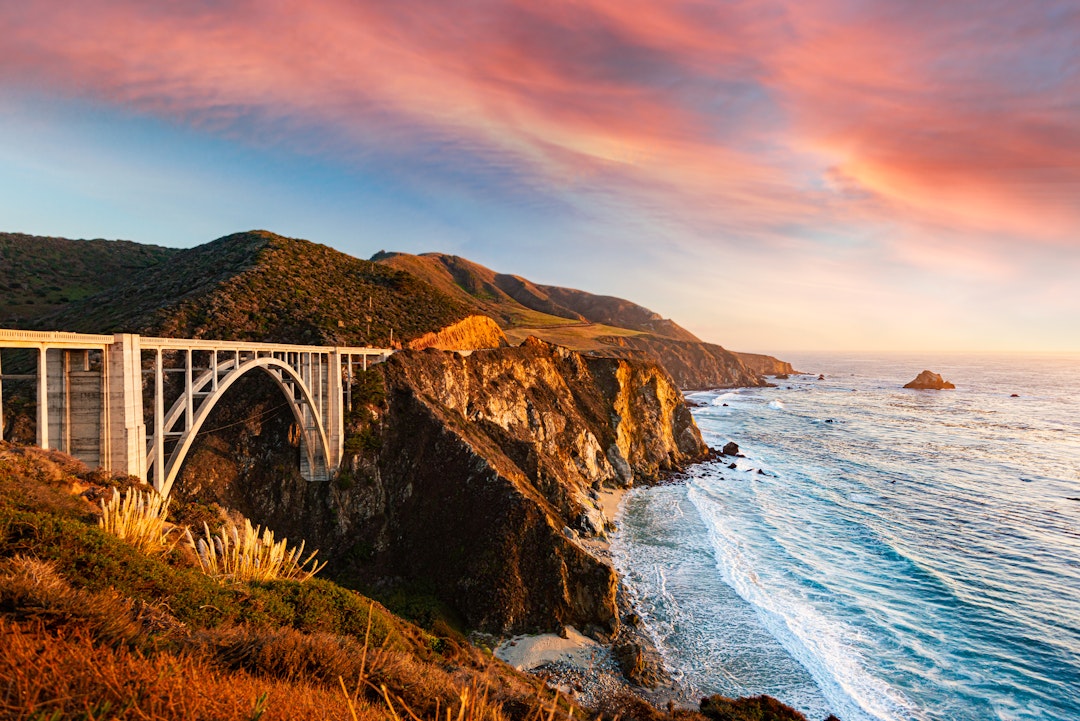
{"x":98,"y":394}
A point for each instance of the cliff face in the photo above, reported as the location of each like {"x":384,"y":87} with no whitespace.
{"x":693,"y":365}
{"x":489,"y":460}
{"x":471,"y":475}
{"x":472,"y":333}
{"x":765,"y":365}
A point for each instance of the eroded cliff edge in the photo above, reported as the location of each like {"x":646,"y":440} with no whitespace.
{"x":471,"y":474}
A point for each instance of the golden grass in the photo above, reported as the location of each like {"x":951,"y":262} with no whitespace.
{"x":71,"y":653}
{"x":569,"y":334}
{"x":49,"y":675}
{"x":247,"y":553}
{"x":139,"y":518}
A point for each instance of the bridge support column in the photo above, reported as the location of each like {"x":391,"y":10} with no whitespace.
{"x":335,"y":430}
{"x":126,"y":447}
{"x":43,"y":398}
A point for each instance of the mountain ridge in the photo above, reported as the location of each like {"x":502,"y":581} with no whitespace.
{"x":257,"y":285}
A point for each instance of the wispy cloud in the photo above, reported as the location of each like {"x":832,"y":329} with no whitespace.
{"x":917,"y":133}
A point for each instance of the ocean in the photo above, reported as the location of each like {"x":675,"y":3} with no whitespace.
{"x":878,"y":553}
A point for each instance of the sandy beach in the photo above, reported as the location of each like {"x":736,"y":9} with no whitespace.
{"x":610,"y":498}
{"x":527,"y":652}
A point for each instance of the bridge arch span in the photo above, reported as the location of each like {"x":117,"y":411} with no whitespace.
{"x":314,"y":440}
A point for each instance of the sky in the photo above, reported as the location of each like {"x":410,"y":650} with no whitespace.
{"x":888,"y":175}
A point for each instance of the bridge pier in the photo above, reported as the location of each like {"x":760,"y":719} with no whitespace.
{"x":126,"y":447}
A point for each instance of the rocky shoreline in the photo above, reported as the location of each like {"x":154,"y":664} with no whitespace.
{"x":597,"y":671}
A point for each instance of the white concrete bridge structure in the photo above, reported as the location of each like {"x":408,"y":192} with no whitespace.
{"x":91,"y":391}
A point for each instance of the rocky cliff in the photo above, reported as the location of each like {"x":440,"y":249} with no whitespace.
{"x":765,"y":365}
{"x":473,"y":476}
{"x":693,"y":365}
{"x":472,"y":333}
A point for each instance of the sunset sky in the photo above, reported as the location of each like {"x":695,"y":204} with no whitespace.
{"x":815,"y":174}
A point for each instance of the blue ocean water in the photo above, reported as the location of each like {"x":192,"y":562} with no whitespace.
{"x":878,"y":553}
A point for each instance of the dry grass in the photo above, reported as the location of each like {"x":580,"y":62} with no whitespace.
{"x":247,"y":553}
{"x":67,"y":675}
{"x":569,"y":334}
{"x":72,"y":653}
{"x":139,"y":517}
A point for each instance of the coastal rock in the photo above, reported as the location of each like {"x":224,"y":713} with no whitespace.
{"x":761,"y":708}
{"x":693,"y":365}
{"x":517,"y":439}
{"x":928,"y":380}
{"x":765,"y":365}
{"x":640,"y":664}
{"x":731,"y":448}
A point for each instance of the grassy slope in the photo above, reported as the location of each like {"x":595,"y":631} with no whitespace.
{"x":101,"y":624}
{"x":40,"y":275}
{"x":261,"y":286}
{"x":483,"y":290}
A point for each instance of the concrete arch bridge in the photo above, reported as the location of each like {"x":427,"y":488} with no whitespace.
{"x":134,"y":404}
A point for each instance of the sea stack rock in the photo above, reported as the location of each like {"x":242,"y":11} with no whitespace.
{"x":731,"y":448}
{"x":929,"y":381}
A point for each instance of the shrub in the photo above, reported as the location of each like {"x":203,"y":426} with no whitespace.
{"x":138,"y":518}
{"x":249,"y":553}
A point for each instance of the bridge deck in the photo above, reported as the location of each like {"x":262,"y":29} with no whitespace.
{"x":83,"y":341}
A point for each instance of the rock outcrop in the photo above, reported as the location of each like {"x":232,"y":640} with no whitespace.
{"x":472,"y":333}
{"x":929,"y":381}
{"x":765,"y":365}
{"x":693,"y":365}
{"x":491,"y":460}
{"x":472,"y":476}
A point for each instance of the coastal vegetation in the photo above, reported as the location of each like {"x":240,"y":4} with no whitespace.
{"x":139,"y":517}
{"x":265,"y":287}
{"x":96,"y":628}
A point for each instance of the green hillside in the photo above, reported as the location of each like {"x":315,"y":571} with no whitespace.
{"x":40,"y":275}
{"x":262,"y":286}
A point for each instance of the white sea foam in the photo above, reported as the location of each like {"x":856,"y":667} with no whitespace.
{"x":815,"y":641}
{"x":777,"y":405}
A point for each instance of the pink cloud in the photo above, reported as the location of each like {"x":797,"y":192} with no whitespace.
{"x":846,"y":113}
